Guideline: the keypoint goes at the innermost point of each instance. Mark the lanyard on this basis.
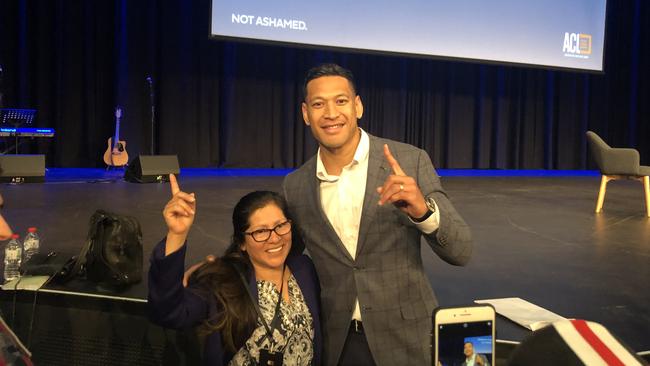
(276, 314)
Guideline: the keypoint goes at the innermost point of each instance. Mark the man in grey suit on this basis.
(472, 358)
(362, 205)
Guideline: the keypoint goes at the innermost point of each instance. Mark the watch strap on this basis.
(426, 216)
(431, 205)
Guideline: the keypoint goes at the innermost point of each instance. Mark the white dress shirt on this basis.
(342, 200)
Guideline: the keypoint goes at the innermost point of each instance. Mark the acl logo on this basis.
(577, 45)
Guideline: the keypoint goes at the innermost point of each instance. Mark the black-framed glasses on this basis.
(263, 235)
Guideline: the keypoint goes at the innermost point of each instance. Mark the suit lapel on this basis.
(314, 194)
(378, 171)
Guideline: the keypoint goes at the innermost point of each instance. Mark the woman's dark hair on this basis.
(236, 317)
(327, 70)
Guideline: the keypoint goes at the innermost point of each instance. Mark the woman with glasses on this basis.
(255, 305)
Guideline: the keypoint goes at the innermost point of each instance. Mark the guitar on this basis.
(116, 154)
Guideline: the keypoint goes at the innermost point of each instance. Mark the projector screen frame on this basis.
(374, 52)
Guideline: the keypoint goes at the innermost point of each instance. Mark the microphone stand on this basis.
(153, 112)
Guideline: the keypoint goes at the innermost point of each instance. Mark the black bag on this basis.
(113, 252)
(41, 264)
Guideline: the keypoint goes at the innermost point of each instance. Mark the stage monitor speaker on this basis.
(151, 168)
(22, 168)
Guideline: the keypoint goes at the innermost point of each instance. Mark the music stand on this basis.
(17, 117)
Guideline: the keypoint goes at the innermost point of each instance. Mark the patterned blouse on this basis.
(293, 336)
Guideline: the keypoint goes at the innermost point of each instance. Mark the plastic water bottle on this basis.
(31, 244)
(13, 258)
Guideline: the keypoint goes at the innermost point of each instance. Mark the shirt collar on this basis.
(360, 154)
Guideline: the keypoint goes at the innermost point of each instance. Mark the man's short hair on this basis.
(327, 70)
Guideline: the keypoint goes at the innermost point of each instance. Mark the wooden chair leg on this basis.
(646, 188)
(601, 194)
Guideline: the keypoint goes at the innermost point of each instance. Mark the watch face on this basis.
(431, 204)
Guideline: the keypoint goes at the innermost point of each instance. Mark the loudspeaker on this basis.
(22, 168)
(151, 168)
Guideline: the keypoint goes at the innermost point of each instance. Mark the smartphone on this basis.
(463, 333)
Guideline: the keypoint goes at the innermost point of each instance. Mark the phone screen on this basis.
(460, 341)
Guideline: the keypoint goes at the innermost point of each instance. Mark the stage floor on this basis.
(536, 235)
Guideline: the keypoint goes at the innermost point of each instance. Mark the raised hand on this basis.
(179, 215)
(479, 360)
(401, 190)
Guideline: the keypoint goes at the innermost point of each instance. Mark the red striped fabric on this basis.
(596, 343)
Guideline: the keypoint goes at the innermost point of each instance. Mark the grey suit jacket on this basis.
(394, 293)
(483, 358)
